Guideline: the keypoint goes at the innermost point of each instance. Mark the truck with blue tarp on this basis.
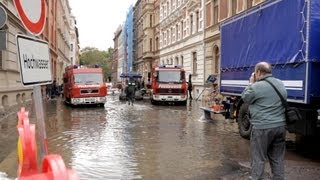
(285, 33)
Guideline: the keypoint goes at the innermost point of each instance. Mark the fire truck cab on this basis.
(84, 85)
(168, 84)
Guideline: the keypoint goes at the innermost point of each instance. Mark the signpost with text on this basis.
(34, 58)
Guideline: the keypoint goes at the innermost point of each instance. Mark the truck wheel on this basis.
(153, 102)
(244, 124)
(183, 103)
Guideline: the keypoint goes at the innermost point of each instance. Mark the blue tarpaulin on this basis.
(131, 75)
(285, 33)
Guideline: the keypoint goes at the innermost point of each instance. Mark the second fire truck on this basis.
(168, 85)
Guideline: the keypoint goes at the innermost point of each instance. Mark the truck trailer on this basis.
(285, 33)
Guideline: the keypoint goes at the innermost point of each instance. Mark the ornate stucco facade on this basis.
(146, 36)
(116, 67)
(12, 92)
(63, 38)
(181, 38)
(74, 42)
(215, 12)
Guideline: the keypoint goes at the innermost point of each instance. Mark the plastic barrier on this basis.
(53, 167)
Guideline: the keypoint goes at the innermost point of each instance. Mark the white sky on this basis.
(97, 20)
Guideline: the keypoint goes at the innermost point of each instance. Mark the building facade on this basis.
(181, 38)
(63, 39)
(74, 42)
(12, 92)
(116, 67)
(146, 36)
(215, 12)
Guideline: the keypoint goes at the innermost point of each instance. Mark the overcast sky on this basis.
(97, 20)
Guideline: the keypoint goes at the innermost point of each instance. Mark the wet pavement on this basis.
(119, 141)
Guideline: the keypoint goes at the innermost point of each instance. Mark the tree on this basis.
(93, 56)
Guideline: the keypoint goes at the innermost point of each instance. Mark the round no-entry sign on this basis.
(32, 14)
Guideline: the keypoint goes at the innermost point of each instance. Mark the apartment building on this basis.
(116, 67)
(63, 39)
(181, 38)
(74, 41)
(215, 12)
(146, 36)
(12, 93)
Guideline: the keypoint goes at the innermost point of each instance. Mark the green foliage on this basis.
(92, 56)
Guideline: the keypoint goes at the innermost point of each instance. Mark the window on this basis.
(216, 60)
(249, 4)
(71, 47)
(197, 21)
(191, 24)
(172, 35)
(150, 20)
(172, 5)
(181, 31)
(234, 7)
(150, 44)
(223, 9)
(194, 60)
(215, 11)
(177, 28)
(168, 8)
(208, 14)
(1, 59)
(177, 61)
(168, 37)
(157, 41)
(182, 60)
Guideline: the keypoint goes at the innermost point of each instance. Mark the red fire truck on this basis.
(168, 85)
(84, 85)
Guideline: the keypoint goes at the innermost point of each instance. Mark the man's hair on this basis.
(263, 67)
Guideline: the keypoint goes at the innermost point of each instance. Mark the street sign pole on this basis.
(40, 123)
(35, 68)
(34, 59)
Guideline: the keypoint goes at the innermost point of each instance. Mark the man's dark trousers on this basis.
(268, 144)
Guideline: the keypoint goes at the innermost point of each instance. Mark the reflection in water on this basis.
(95, 141)
(139, 142)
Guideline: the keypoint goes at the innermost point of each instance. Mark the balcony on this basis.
(148, 55)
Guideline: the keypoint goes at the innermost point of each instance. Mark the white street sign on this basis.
(34, 60)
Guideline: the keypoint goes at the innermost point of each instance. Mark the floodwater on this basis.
(143, 141)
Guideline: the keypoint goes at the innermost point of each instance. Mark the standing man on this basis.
(130, 92)
(190, 87)
(268, 120)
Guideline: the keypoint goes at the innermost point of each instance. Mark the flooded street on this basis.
(119, 141)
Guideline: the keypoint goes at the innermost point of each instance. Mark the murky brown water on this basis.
(141, 142)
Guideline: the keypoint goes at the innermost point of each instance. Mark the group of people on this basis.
(53, 90)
